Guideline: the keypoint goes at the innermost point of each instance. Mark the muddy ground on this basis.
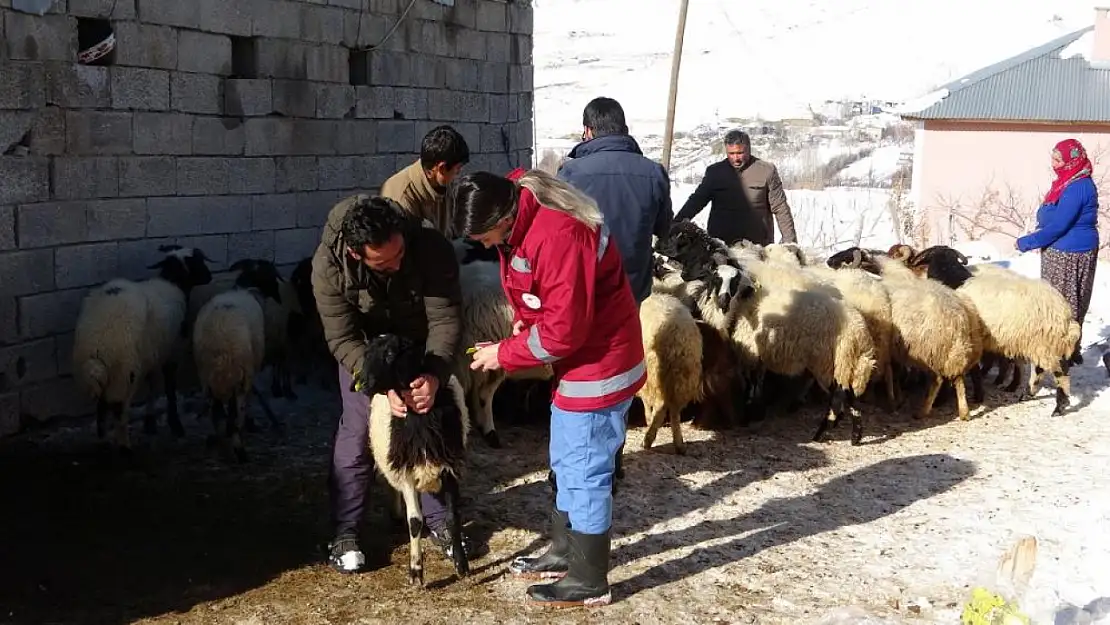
(751, 526)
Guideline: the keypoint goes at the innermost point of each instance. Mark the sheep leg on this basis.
(1004, 367)
(797, 402)
(961, 397)
(1018, 369)
(484, 395)
(930, 397)
(978, 393)
(655, 415)
(416, 529)
(169, 386)
(237, 410)
(120, 415)
(888, 381)
(857, 417)
(275, 380)
(264, 403)
(454, 522)
(1036, 377)
(676, 431)
(101, 417)
(150, 418)
(1063, 388)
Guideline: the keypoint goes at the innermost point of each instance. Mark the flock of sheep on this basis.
(719, 320)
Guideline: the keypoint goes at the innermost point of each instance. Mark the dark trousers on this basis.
(352, 465)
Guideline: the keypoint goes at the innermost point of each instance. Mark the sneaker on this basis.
(345, 556)
(439, 538)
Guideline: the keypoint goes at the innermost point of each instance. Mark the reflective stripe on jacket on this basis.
(567, 284)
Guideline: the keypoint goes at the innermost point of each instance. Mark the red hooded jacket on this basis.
(567, 284)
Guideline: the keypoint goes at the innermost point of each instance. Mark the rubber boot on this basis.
(553, 563)
(587, 582)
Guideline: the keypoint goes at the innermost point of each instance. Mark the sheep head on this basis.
(661, 266)
(728, 282)
(259, 274)
(788, 253)
(184, 267)
(392, 363)
(943, 264)
(901, 253)
(855, 258)
(693, 249)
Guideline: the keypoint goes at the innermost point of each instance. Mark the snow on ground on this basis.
(880, 165)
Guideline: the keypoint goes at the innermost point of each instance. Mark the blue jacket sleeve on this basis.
(1060, 221)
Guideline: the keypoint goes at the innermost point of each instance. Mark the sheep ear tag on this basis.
(531, 301)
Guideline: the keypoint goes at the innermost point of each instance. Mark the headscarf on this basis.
(1076, 165)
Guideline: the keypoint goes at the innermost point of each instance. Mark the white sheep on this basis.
(129, 332)
(418, 453)
(229, 348)
(673, 357)
(487, 316)
(1024, 319)
(934, 330)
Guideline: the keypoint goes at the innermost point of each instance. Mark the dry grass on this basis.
(756, 526)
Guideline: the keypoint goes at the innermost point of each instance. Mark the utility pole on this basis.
(676, 61)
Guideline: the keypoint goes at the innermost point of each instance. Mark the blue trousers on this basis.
(583, 450)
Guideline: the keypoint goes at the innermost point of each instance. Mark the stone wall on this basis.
(229, 125)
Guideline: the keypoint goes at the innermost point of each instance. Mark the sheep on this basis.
(861, 291)
(673, 357)
(933, 329)
(486, 316)
(229, 347)
(128, 332)
(791, 332)
(785, 330)
(417, 453)
(1023, 319)
(721, 381)
(308, 351)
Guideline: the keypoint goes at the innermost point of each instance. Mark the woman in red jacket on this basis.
(574, 311)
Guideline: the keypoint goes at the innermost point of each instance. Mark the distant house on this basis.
(982, 145)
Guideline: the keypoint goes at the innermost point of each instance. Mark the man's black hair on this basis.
(372, 221)
(738, 137)
(604, 116)
(443, 144)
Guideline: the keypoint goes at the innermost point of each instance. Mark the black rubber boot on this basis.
(587, 582)
(553, 563)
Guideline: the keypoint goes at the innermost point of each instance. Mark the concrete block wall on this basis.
(229, 125)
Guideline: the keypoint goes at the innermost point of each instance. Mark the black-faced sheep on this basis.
(673, 357)
(420, 452)
(229, 347)
(934, 329)
(1023, 319)
(129, 332)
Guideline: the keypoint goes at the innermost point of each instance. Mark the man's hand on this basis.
(485, 359)
(397, 405)
(423, 393)
(518, 327)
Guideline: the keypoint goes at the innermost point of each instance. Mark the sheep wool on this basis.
(673, 357)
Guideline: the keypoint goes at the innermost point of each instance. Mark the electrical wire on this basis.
(396, 25)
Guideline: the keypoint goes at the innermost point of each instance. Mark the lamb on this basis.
(1023, 319)
(229, 346)
(933, 329)
(673, 356)
(487, 316)
(129, 332)
(418, 453)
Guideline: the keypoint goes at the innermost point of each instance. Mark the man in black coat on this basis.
(745, 192)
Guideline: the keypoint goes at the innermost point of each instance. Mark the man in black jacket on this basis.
(745, 192)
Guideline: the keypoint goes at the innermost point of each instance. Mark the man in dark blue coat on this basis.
(633, 191)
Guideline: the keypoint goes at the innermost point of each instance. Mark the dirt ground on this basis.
(751, 526)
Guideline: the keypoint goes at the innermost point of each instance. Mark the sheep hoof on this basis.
(492, 439)
(680, 449)
(1062, 402)
(416, 576)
